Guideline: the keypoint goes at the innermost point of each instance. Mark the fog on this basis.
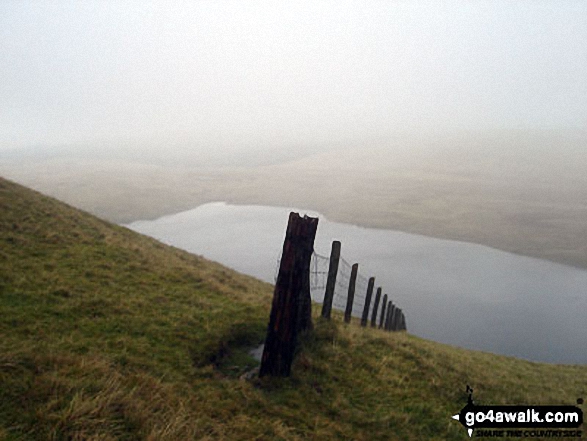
(458, 120)
(265, 79)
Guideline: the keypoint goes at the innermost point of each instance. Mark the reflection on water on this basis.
(452, 292)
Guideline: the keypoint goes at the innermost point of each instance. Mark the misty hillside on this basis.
(109, 335)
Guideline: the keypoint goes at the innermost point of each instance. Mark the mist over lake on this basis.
(452, 292)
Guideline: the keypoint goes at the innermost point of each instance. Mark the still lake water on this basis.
(452, 292)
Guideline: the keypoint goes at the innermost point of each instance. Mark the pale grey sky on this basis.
(222, 73)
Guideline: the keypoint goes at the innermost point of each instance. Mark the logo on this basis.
(559, 421)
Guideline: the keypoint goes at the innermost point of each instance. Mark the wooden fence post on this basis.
(386, 322)
(365, 316)
(351, 294)
(331, 282)
(383, 308)
(375, 308)
(392, 318)
(395, 319)
(291, 310)
(390, 312)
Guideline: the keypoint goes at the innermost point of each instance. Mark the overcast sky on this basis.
(230, 72)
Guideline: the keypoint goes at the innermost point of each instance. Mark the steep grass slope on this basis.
(108, 335)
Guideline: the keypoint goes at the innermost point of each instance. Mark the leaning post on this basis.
(383, 309)
(351, 294)
(365, 316)
(390, 310)
(291, 310)
(375, 308)
(395, 319)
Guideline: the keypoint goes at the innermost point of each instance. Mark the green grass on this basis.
(109, 335)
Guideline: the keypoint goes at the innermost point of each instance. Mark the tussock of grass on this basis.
(109, 335)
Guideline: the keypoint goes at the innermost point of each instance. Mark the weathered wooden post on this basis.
(365, 316)
(392, 321)
(331, 282)
(390, 312)
(375, 308)
(387, 315)
(291, 308)
(351, 294)
(383, 309)
(395, 318)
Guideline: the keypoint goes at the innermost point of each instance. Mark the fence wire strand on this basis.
(319, 265)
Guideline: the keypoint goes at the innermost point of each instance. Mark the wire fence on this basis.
(333, 281)
(319, 266)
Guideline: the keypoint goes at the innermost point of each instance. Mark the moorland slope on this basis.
(109, 335)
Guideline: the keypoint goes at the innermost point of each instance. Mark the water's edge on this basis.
(455, 292)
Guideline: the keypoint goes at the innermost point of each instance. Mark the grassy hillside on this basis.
(108, 335)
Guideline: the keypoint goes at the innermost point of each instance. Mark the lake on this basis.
(452, 292)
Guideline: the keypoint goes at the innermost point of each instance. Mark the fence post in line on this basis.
(388, 315)
(375, 308)
(404, 327)
(291, 309)
(365, 316)
(383, 309)
(351, 294)
(391, 312)
(395, 319)
(331, 282)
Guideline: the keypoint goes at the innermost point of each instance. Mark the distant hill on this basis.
(109, 335)
(518, 191)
